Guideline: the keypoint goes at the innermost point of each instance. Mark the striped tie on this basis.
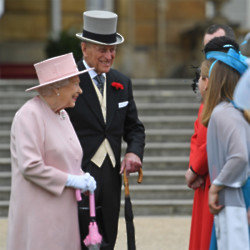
(100, 82)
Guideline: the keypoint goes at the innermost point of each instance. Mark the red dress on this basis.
(202, 219)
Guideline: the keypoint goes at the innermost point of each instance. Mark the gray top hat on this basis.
(99, 27)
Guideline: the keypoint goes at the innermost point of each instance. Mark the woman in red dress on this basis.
(197, 176)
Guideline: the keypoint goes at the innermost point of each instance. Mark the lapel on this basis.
(89, 94)
(112, 98)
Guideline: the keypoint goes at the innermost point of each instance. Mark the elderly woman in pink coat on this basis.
(46, 163)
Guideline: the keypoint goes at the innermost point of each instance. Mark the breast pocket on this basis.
(122, 110)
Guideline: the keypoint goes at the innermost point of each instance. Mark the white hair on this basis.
(49, 89)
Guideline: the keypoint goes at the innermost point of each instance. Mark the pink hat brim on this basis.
(60, 79)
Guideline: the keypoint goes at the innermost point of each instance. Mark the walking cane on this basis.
(129, 212)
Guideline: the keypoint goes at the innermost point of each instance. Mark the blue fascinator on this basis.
(232, 58)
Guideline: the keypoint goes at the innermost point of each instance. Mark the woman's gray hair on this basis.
(49, 89)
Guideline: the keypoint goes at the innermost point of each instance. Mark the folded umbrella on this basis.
(129, 212)
(78, 195)
(93, 239)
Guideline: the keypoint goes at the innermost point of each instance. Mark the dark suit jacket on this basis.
(88, 122)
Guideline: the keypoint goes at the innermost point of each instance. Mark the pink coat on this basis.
(43, 212)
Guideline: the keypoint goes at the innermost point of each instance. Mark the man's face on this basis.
(208, 37)
(101, 57)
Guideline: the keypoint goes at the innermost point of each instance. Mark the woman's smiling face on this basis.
(69, 93)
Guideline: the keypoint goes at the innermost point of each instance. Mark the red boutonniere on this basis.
(117, 85)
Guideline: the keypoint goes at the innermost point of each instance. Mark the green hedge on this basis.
(66, 43)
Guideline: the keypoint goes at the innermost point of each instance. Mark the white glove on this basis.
(84, 182)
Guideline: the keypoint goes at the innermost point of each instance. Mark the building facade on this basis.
(162, 37)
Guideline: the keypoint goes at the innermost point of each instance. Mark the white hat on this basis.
(99, 27)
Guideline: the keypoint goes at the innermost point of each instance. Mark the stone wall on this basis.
(30, 19)
(155, 46)
(152, 29)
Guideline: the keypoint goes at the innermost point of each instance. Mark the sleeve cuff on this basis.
(192, 170)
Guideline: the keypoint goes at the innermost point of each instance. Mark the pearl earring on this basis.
(57, 94)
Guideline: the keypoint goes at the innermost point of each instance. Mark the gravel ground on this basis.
(152, 233)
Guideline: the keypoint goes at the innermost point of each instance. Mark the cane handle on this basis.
(125, 178)
(140, 177)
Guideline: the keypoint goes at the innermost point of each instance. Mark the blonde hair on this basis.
(222, 82)
(246, 114)
(205, 66)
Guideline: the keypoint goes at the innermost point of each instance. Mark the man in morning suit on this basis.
(104, 114)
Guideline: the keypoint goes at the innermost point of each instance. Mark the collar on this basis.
(92, 73)
(234, 104)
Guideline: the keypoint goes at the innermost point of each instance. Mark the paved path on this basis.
(3, 232)
(152, 233)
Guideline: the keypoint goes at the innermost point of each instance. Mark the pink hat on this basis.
(56, 69)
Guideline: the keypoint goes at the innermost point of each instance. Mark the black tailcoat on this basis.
(89, 124)
(121, 122)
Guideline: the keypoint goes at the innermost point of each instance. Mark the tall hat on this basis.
(99, 27)
(56, 69)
